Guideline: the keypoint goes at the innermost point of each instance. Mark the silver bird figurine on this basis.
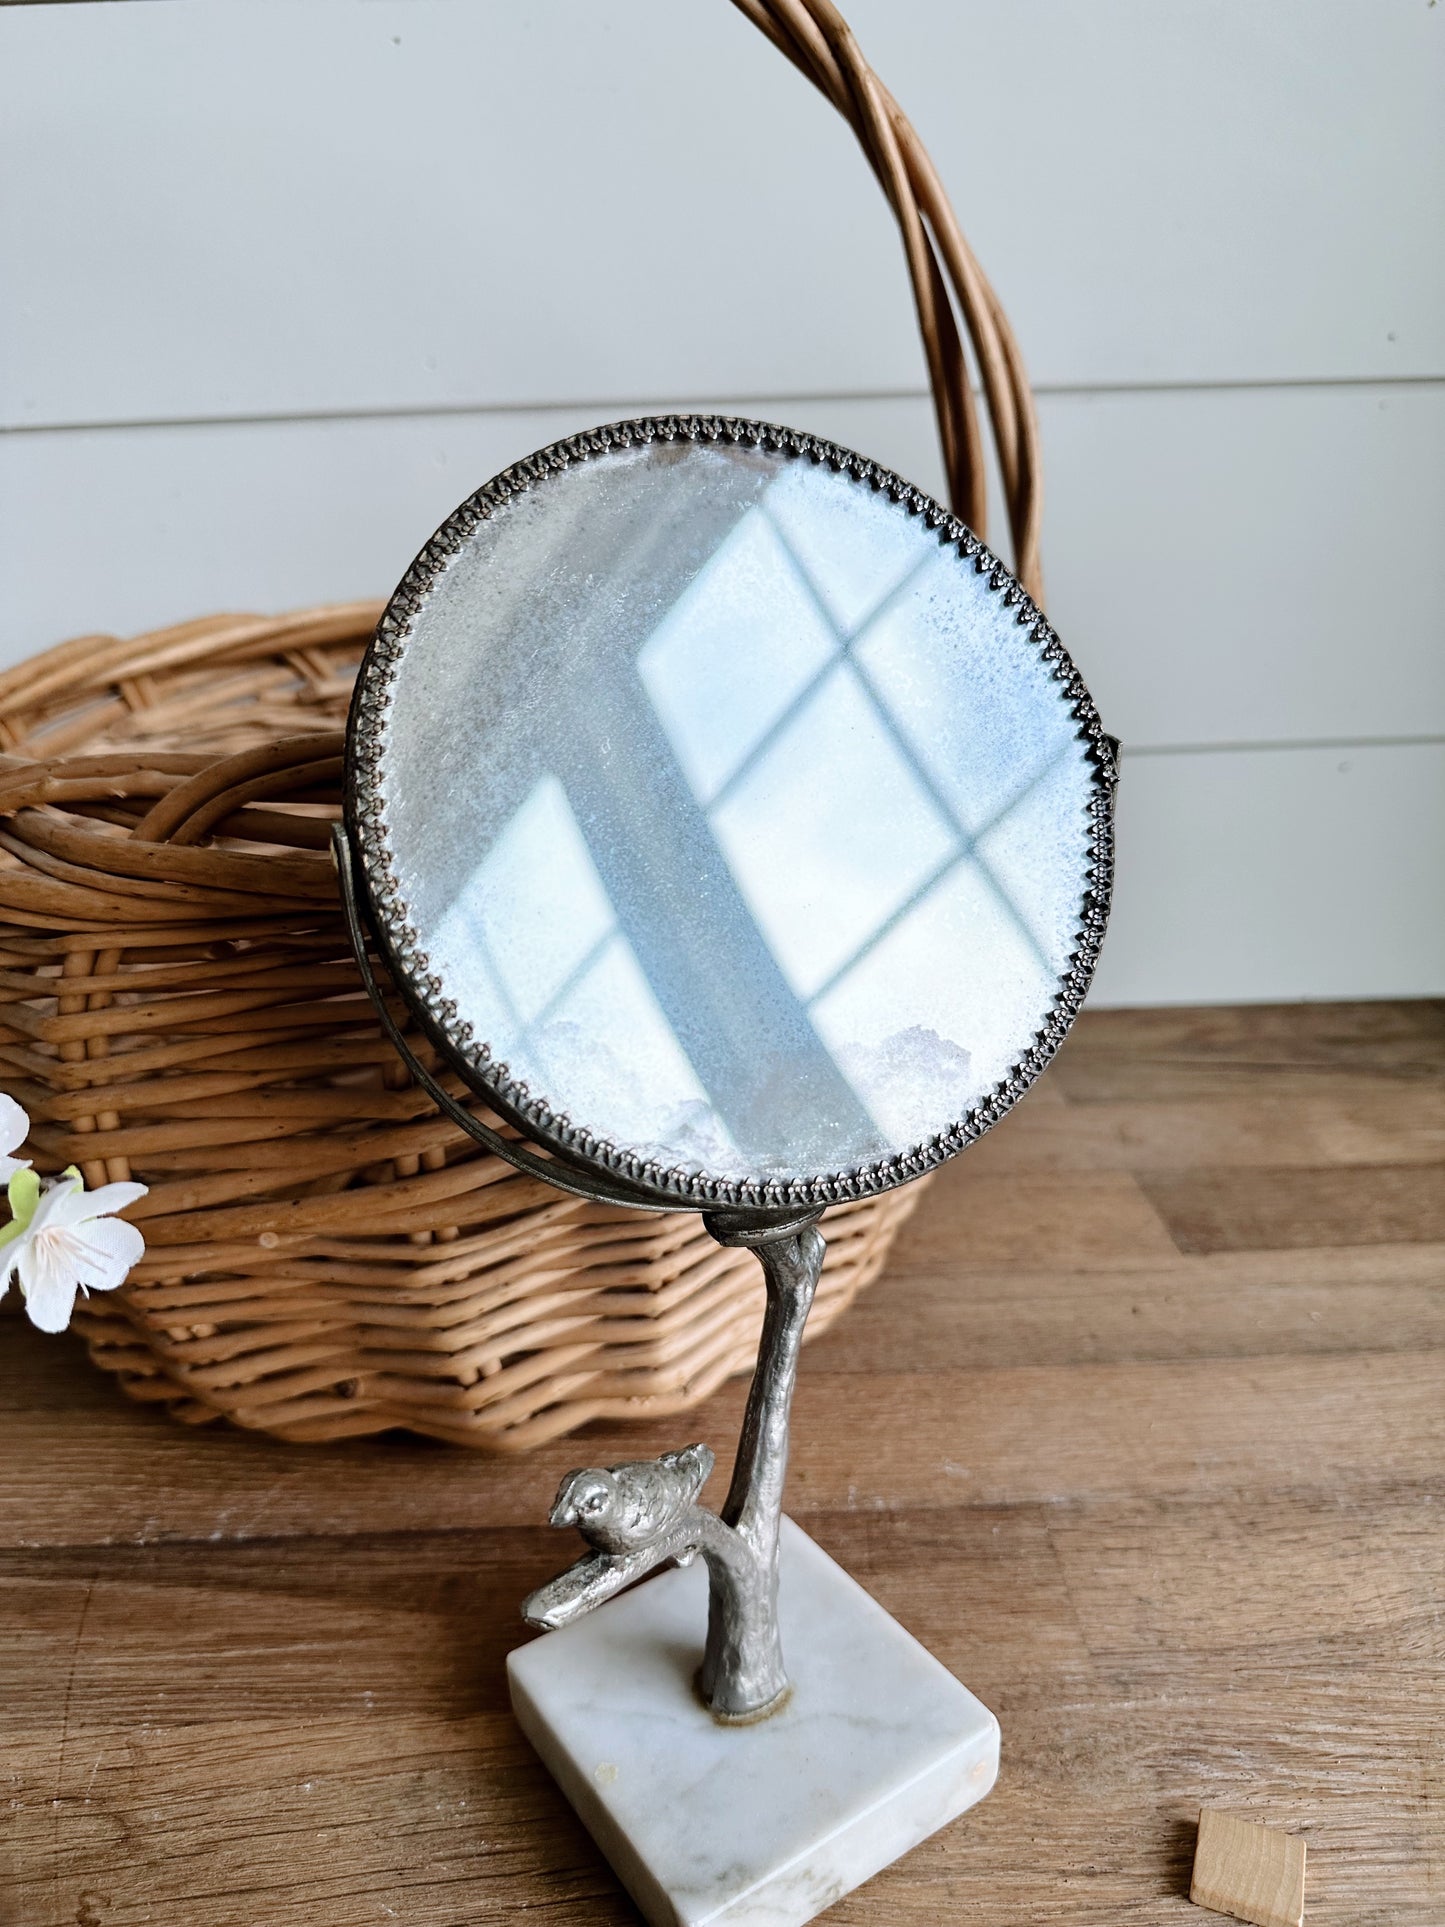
(621, 1508)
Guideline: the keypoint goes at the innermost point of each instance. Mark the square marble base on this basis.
(769, 1824)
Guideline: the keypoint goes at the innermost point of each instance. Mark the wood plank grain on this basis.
(389, 1725)
(1175, 1516)
(1370, 1124)
(1261, 1210)
(1023, 1435)
(1260, 1051)
(930, 1321)
(1079, 1220)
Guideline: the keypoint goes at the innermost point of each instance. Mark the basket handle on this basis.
(943, 270)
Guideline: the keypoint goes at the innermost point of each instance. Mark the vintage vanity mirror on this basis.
(734, 826)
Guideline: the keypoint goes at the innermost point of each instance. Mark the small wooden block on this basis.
(1256, 1873)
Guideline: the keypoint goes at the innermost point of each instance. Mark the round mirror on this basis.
(728, 815)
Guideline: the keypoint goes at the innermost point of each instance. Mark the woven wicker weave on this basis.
(325, 1254)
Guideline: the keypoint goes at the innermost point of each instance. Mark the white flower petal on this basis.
(77, 1204)
(14, 1127)
(56, 1205)
(49, 1293)
(101, 1253)
(10, 1256)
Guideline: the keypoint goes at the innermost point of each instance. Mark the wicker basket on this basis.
(326, 1255)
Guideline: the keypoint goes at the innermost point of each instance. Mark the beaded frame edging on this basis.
(423, 992)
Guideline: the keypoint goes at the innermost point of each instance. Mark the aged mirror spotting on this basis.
(734, 826)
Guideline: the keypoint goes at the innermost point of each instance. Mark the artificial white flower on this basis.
(64, 1240)
(14, 1129)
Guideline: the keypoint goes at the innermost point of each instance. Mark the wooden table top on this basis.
(1143, 1434)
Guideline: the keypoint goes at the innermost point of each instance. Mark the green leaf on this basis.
(24, 1194)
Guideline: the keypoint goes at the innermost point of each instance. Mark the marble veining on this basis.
(762, 1825)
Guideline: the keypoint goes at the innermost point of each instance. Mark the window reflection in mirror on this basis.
(741, 818)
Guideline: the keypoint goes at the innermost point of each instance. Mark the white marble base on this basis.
(769, 1824)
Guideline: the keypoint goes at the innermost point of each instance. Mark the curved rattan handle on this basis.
(942, 267)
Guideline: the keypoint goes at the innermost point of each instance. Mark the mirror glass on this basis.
(735, 811)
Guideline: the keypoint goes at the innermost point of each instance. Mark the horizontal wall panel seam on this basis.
(1252, 744)
(622, 406)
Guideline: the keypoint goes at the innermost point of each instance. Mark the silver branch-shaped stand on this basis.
(641, 1515)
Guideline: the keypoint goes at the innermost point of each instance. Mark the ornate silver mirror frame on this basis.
(636, 1517)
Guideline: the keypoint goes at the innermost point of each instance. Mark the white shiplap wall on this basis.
(281, 283)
